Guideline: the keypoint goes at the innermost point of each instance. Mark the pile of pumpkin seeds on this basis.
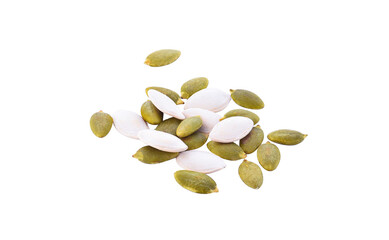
(185, 130)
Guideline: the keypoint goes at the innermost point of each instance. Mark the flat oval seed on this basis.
(162, 57)
(195, 140)
(286, 137)
(210, 99)
(152, 155)
(128, 123)
(251, 174)
(101, 124)
(247, 99)
(189, 126)
(170, 93)
(209, 118)
(165, 104)
(195, 181)
(252, 141)
(269, 156)
(162, 141)
(169, 125)
(231, 129)
(200, 161)
(229, 151)
(150, 113)
(192, 86)
(242, 113)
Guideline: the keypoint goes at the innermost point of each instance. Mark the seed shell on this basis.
(231, 129)
(200, 161)
(269, 156)
(162, 141)
(229, 151)
(128, 123)
(211, 99)
(209, 118)
(192, 86)
(195, 140)
(251, 174)
(101, 124)
(195, 181)
(150, 113)
(252, 141)
(170, 93)
(152, 155)
(247, 99)
(169, 125)
(165, 104)
(243, 113)
(286, 137)
(189, 126)
(162, 57)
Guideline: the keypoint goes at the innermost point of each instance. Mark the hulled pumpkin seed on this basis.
(192, 86)
(269, 156)
(251, 174)
(195, 181)
(195, 140)
(152, 155)
(243, 113)
(162, 57)
(246, 99)
(189, 126)
(150, 113)
(229, 151)
(170, 93)
(286, 137)
(101, 124)
(169, 125)
(252, 141)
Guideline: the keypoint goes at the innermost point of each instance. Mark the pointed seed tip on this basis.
(305, 135)
(216, 190)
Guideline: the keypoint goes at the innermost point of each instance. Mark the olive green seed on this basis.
(101, 124)
(251, 174)
(252, 141)
(195, 181)
(247, 99)
(195, 140)
(243, 113)
(152, 155)
(170, 93)
(169, 125)
(162, 57)
(269, 156)
(150, 113)
(192, 86)
(286, 137)
(189, 126)
(229, 151)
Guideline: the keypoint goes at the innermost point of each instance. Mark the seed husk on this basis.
(189, 126)
(195, 181)
(152, 155)
(211, 99)
(229, 151)
(162, 57)
(192, 86)
(101, 124)
(165, 104)
(243, 113)
(209, 118)
(169, 125)
(162, 141)
(268, 156)
(128, 123)
(286, 137)
(200, 161)
(251, 174)
(252, 141)
(247, 99)
(231, 129)
(170, 93)
(150, 113)
(195, 140)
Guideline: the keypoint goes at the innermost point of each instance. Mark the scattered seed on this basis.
(231, 129)
(192, 86)
(195, 181)
(150, 113)
(101, 124)
(128, 123)
(251, 174)
(252, 141)
(210, 99)
(162, 57)
(269, 156)
(229, 151)
(170, 93)
(152, 155)
(189, 126)
(247, 99)
(286, 137)
(243, 113)
(200, 161)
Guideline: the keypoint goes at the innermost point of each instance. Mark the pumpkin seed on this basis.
(189, 126)
(210, 99)
(229, 151)
(170, 93)
(286, 137)
(101, 124)
(243, 113)
(165, 104)
(209, 118)
(252, 141)
(152, 155)
(200, 161)
(247, 99)
(251, 174)
(231, 129)
(150, 113)
(169, 125)
(162, 57)
(195, 181)
(269, 156)
(128, 123)
(195, 140)
(162, 141)
(192, 86)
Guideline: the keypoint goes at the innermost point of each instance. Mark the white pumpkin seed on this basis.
(210, 99)
(200, 161)
(128, 123)
(231, 129)
(165, 104)
(209, 118)
(162, 141)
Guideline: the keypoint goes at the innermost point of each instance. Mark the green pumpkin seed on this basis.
(243, 113)
(162, 57)
(189, 126)
(169, 126)
(195, 181)
(195, 140)
(150, 113)
(251, 174)
(229, 151)
(246, 99)
(252, 141)
(152, 155)
(286, 137)
(192, 86)
(269, 156)
(170, 93)
(101, 124)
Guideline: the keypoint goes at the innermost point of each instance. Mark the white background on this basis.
(321, 67)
